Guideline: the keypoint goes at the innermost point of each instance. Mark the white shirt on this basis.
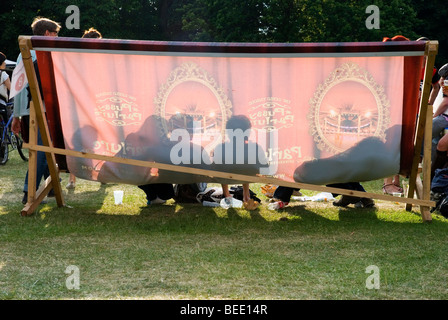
(3, 89)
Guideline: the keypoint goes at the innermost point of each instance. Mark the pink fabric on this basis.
(321, 106)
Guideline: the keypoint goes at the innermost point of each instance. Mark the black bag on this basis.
(442, 207)
(210, 195)
(186, 193)
(439, 183)
(237, 193)
(439, 191)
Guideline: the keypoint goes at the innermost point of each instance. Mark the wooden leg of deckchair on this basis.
(32, 165)
(425, 211)
(426, 214)
(30, 207)
(425, 186)
(32, 161)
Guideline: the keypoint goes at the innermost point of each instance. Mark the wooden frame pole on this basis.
(424, 129)
(32, 161)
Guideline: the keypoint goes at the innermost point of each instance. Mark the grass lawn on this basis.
(309, 250)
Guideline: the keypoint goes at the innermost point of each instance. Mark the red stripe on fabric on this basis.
(215, 47)
(411, 92)
(45, 65)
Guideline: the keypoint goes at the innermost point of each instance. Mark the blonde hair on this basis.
(92, 33)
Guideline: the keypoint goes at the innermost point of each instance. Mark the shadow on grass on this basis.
(99, 195)
(194, 218)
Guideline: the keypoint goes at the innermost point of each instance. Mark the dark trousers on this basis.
(356, 186)
(283, 193)
(42, 171)
(164, 191)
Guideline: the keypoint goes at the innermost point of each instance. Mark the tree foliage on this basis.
(233, 21)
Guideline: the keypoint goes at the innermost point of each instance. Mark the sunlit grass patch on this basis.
(308, 250)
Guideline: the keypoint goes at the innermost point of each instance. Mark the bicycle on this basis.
(9, 141)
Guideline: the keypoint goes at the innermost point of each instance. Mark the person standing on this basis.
(5, 83)
(5, 86)
(41, 27)
(440, 156)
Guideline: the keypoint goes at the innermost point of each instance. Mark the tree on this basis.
(233, 21)
(222, 20)
(125, 19)
(432, 21)
(16, 20)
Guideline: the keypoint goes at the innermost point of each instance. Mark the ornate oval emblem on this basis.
(348, 107)
(190, 93)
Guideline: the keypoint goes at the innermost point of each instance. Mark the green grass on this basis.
(185, 251)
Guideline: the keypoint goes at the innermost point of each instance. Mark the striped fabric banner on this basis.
(320, 112)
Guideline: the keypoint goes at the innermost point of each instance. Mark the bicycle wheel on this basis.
(3, 148)
(18, 143)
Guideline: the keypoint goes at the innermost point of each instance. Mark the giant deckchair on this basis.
(321, 100)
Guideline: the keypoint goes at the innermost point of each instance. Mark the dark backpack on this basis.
(439, 191)
(186, 193)
(439, 183)
(442, 207)
(237, 193)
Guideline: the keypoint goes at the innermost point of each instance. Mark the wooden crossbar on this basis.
(231, 176)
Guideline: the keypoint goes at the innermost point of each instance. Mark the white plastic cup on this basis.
(118, 196)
